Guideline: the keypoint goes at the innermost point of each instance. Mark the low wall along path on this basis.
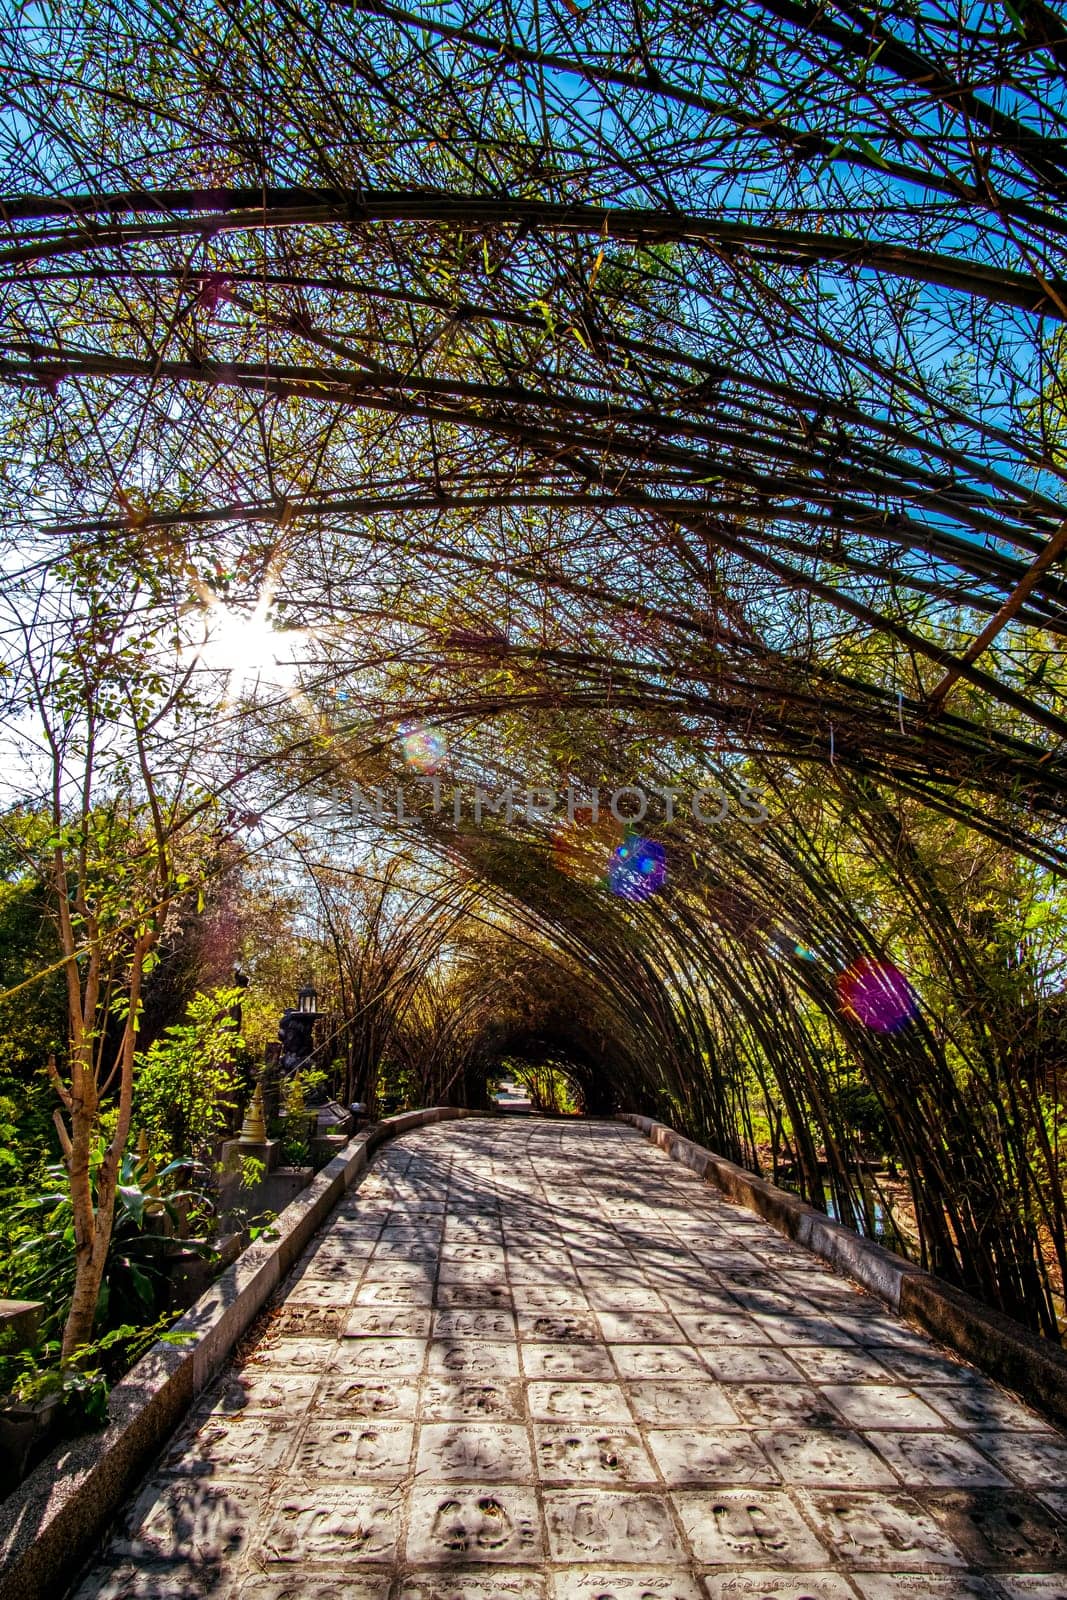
(542, 1361)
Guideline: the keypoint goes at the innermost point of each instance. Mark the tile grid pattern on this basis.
(540, 1361)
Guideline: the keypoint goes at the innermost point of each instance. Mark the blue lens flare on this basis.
(638, 869)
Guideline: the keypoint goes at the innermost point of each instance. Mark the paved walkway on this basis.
(539, 1361)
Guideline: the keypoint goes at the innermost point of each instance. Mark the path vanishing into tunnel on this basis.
(538, 1361)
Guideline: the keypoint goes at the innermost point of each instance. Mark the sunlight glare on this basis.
(249, 647)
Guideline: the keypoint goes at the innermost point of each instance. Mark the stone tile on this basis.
(343, 1242)
(387, 1322)
(567, 1361)
(389, 1271)
(1002, 1528)
(374, 1358)
(392, 1293)
(185, 1519)
(358, 1451)
(770, 1305)
(657, 1361)
(748, 1527)
(245, 1445)
(483, 1252)
(840, 1364)
(257, 1389)
(597, 1403)
(481, 1295)
(605, 1525)
(721, 1327)
(937, 1460)
(452, 1399)
(324, 1269)
(471, 1273)
(344, 1396)
(751, 1363)
(606, 1294)
(629, 1583)
(289, 1357)
(329, 1524)
(374, 1585)
(817, 1458)
(474, 1322)
(1056, 1500)
(881, 1405)
(466, 1523)
(1035, 1586)
(639, 1327)
(1036, 1460)
(980, 1406)
(777, 1586)
(804, 1328)
(475, 1357)
(928, 1365)
(878, 1328)
(548, 1297)
(717, 1456)
(603, 1255)
(671, 1404)
(592, 1455)
(333, 1293)
(539, 1269)
(787, 1405)
(923, 1586)
(892, 1531)
(298, 1321)
(472, 1583)
(558, 1327)
(491, 1452)
(404, 1251)
(178, 1582)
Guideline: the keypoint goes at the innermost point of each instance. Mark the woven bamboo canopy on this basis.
(663, 386)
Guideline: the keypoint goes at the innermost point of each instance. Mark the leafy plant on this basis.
(185, 1088)
(81, 1385)
(253, 1171)
(38, 1229)
(297, 1120)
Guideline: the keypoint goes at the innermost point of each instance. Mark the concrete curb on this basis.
(1032, 1367)
(49, 1521)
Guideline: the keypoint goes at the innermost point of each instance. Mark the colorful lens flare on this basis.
(877, 994)
(638, 868)
(424, 749)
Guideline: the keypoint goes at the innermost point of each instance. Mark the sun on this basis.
(249, 646)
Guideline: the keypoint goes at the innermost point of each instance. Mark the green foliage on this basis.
(861, 1111)
(81, 1385)
(297, 1121)
(185, 1087)
(397, 1088)
(37, 1242)
(253, 1171)
(33, 1021)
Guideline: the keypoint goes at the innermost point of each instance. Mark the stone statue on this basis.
(295, 1031)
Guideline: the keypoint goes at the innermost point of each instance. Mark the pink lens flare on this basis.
(877, 994)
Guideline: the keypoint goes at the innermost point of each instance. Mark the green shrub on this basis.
(185, 1088)
(37, 1240)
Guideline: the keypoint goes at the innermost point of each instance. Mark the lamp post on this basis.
(308, 1000)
